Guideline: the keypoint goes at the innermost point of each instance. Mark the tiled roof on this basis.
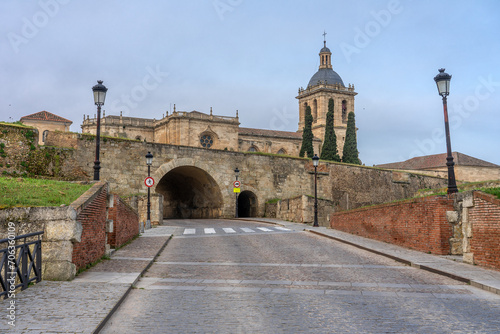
(46, 116)
(437, 160)
(270, 133)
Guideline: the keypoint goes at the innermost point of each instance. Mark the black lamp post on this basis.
(315, 160)
(99, 97)
(149, 162)
(236, 174)
(443, 84)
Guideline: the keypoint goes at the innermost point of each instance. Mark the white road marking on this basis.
(246, 229)
(210, 231)
(282, 228)
(265, 229)
(190, 231)
(228, 230)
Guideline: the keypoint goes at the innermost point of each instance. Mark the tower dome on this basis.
(325, 73)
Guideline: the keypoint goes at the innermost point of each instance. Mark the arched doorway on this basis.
(190, 192)
(247, 204)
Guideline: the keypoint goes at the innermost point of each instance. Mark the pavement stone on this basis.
(81, 305)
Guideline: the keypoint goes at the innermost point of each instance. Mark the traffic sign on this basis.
(236, 184)
(149, 182)
(236, 190)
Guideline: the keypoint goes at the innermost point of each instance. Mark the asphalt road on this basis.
(221, 276)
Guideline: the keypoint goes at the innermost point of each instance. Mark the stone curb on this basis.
(120, 301)
(462, 278)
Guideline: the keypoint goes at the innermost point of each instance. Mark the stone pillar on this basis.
(467, 203)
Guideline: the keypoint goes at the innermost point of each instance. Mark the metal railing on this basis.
(20, 264)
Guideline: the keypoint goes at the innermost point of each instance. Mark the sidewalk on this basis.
(482, 278)
(82, 305)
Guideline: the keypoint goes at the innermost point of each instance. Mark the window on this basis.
(253, 149)
(44, 135)
(282, 151)
(206, 141)
(344, 111)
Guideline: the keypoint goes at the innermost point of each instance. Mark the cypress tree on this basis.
(350, 153)
(329, 150)
(307, 135)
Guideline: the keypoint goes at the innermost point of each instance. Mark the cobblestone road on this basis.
(293, 282)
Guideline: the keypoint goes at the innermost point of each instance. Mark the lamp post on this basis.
(315, 160)
(443, 84)
(236, 174)
(99, 97)
(149, 162)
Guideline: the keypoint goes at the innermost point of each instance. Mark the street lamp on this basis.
(149, 162)
(236, 174)
(315, 160)
(443, 85)
(99, 97)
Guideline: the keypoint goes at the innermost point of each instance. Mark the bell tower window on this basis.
(344, 111)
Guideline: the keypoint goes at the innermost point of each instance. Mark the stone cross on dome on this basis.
(324, 37)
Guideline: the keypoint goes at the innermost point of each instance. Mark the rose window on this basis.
(206, 141)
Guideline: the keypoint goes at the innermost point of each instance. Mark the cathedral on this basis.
(211, 131)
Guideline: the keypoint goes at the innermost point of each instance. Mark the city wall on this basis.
(267, 176)
(75, 235)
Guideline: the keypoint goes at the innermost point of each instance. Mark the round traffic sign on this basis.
(236, 184)
(149, 182)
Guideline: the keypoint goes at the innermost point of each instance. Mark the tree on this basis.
(307, 135)
(350, 153)
(329, 150)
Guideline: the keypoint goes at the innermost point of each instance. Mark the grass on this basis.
(492, 191)
(26, 192)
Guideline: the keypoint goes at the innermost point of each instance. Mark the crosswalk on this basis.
(232, 230)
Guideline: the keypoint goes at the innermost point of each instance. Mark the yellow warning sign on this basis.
(236, 190)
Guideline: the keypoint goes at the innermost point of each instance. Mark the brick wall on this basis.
(92, 216)
(418, 224)
(485, 220)
(125, 222)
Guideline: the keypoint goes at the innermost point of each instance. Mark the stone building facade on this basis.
(45, 121)
(467, 168)
(197, 129)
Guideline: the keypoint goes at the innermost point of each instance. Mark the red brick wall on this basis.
(485, 219)
(93, 219)
(418, 224)
(125, 223)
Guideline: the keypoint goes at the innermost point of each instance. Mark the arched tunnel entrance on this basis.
(190, 192)
(247, 204)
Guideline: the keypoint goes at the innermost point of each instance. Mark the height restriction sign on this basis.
(236, 184)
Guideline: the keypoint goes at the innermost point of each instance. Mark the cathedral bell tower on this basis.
(324, 85)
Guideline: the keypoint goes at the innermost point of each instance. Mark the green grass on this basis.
(492, 191)
(25, 192)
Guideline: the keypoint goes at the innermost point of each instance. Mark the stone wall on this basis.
(20, 155)
(123, 222)
(61, 230)
(300, 209)
(139, 204)
(419, 224)
(266, 176)
(75, 235)
(477, 221)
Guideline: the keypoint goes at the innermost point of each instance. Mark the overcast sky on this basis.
(252, 56)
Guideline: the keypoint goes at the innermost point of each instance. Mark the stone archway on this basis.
(247, 204)
(190, 192)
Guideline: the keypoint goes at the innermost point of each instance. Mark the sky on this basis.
(252, 56)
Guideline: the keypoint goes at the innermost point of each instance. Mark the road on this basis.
(222, 276)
